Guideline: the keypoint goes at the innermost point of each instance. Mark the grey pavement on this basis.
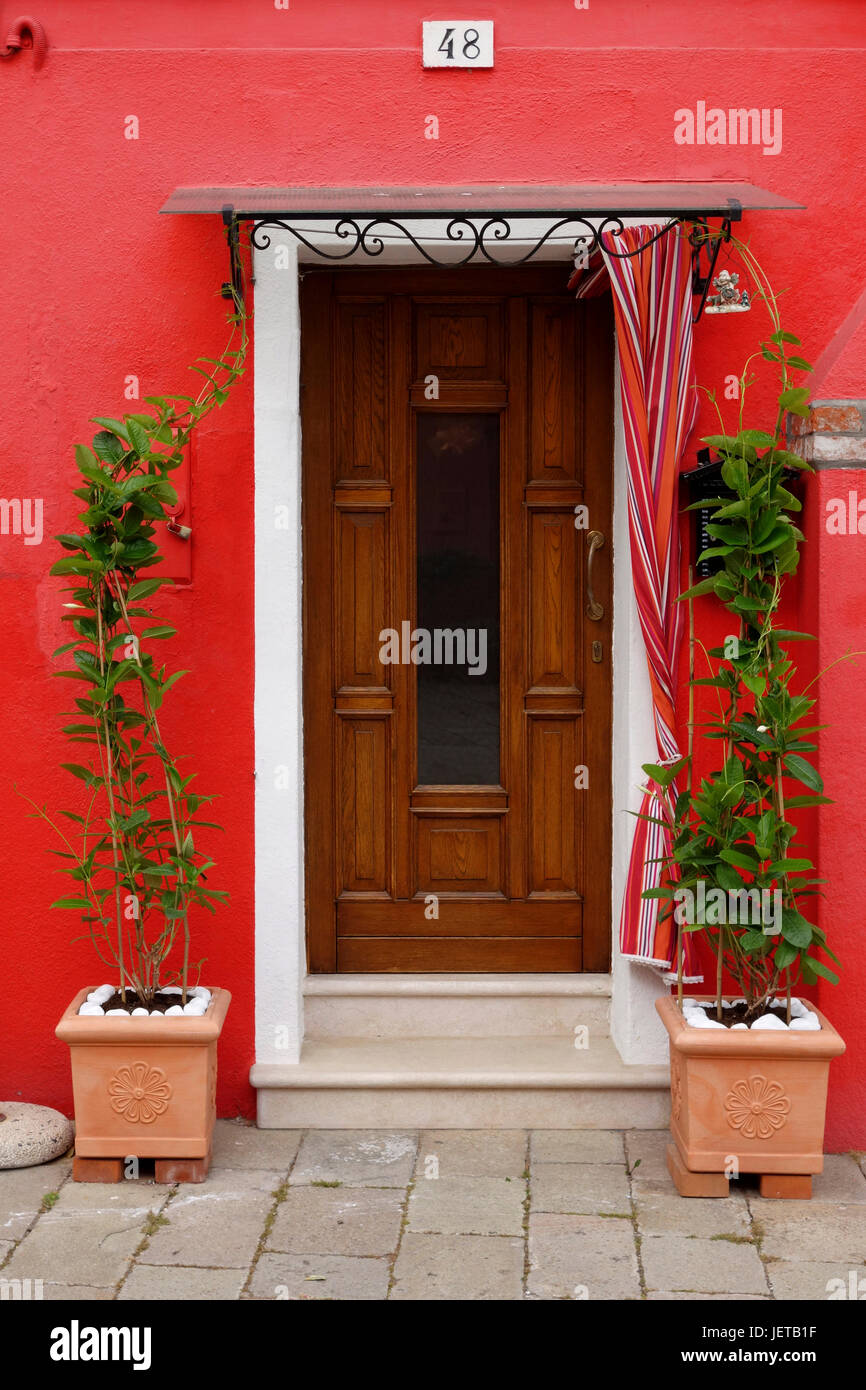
(430, 1215)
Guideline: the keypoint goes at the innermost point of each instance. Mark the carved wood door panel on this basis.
(457, 623)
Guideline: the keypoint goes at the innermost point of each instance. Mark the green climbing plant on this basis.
(131, 853)
(735, 872)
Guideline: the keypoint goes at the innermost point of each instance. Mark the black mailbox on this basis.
(706, 481)
(702, 482)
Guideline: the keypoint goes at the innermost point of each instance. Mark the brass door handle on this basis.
(594, 610)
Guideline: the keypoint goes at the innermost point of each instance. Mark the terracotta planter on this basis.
(143, 1087)
(748, 1102)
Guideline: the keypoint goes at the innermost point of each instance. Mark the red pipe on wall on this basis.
(26, 33)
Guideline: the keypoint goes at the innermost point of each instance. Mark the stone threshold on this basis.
(460, 1083)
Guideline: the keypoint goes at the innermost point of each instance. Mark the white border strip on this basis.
(280, 950)
(278, 704)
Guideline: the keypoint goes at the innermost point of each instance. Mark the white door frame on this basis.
(280, 952)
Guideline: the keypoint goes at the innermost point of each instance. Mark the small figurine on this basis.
(727, 299)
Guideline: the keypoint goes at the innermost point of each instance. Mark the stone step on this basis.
(456, 1006)
(460, 1083)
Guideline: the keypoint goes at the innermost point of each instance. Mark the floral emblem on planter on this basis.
(139, 1092)
(757, 1107)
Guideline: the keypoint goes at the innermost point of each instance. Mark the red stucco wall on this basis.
(97, 286)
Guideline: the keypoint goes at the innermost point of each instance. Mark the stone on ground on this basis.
(31, 1134)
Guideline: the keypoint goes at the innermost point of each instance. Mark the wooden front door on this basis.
(457, 677)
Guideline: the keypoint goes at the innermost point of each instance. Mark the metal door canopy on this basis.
(503, 224)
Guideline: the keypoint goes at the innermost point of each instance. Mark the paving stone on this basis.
(646, 1150)
(21, 1193)
(336, 1276)
(581, 1257)
(695, 1265)
(103, 1198)
(812, 1231)
(583, 1188)
(156, 1282)
(841, 1181)
(244, 1146)
(338, 1221)
(76, 1293)
(18, 1290)
(89, 1248)
(471, 1153)
(660, 1214)
(458, 1267)
(468, 1206)
(215, 1223)
(577, 1146)
(657, 1296)
(360, 1158)
(464, 1236)
(813, 1281)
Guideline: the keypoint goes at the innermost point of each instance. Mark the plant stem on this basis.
(169, 791)
(788, 996)
(109, 787)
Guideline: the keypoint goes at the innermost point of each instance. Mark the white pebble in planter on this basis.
(768, 1023)
(803, 1019)
(100, 995)
(798, 1009)
(197, 1005)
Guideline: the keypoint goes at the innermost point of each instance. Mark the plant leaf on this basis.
(804, 772)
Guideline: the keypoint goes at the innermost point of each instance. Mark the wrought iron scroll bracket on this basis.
(706, 245)
(476, 240)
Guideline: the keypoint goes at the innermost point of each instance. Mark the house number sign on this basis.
(457, 43)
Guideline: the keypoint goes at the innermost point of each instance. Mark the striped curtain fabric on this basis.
(652, 297)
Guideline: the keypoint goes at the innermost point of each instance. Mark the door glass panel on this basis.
(456, 643)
